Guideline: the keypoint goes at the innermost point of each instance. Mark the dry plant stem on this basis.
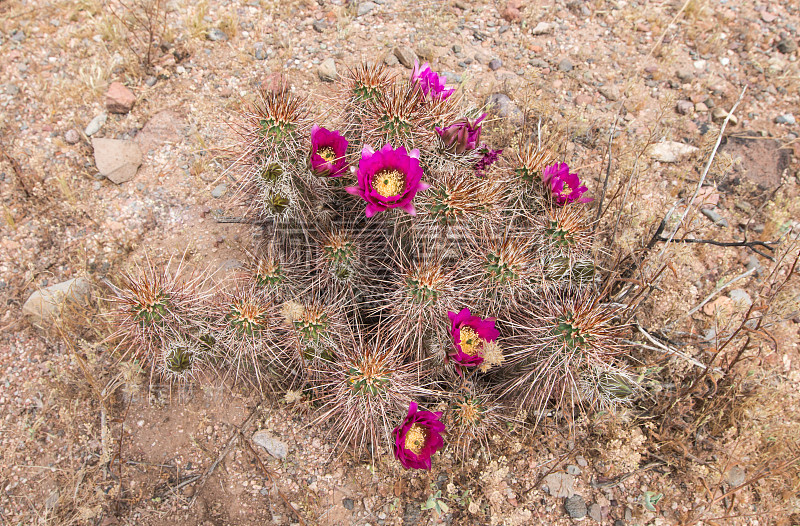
(268, 474)
(608, 168)
(712, 295)
(705, 171)
(674, 352)
(747, 244)
(17, 170)
(226, 449)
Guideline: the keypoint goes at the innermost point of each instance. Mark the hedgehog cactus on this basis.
(372, 311)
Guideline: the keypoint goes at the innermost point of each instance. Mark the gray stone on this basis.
(560, 485)
(575, 507)
(714, 216)
(215, 35)
(538, 63)
(150, 81)
(565, 65)
(274, 447)
(581, 460)
(684, 107)
(670, 151)
(18, 35)
(391, 60)
(787, 45)
(451, 77)
(348, 504)
(72, 136)
(260, 53)
(736, 476)
(482, 58)
(117, 159)
(405, 55)
(495, 64)
(501, 105)
(685, 75)
(219, 190)
(786, 118)
(327, 70)
(456, 48)
(573, 470)
(319, 26)
(596, 513)
(366, 7)
(740, 296)
(45, 304)
(12, 89)
(95, 124)
(542, 28)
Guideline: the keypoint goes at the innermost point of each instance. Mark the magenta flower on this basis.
(418, 438)
(489, 158)
(388, 178)
(565, 186)
(430, 83)
(469, 334)
(328, 149)
(462, 135)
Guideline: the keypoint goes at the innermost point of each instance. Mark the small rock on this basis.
(274, 447)
(72, 136)
(12, 89)
(424, 51)
(391, 60)
(565, 65)
(456, 49)
(45, 304)
(787, 45)
(319, 26)
(670, 151)
(768, 17)
(95, 124)
(215, 35)
(405, 55)
(786, 118)
(583, 99)
(117, 159)
(18, 35)
(573, 470)
(560, 485)
(685, 75)
(610, 92)
(701, 107)
(596, 513)
(699, 64)
(538, 63)
(581, 460)
(150, 81)
(452, 78)
(718, 115)
(327, 70)
(260, 53)
(119, 99)
(348, 503)
(366, 8)
(753, 263)
(714, 216)
(495, 64)
(542, 28)
(219, 191)
(482, 58)
(575, 507)
(684, 107)
(501, 105)
(511, 14)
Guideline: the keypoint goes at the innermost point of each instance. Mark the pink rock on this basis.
(119, 99)
(583, 99)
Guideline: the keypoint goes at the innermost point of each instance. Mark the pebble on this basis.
(150, 81)
(456, 48)
(18, 35)
(117, 159)
(714, 216)
(47, 303)
(701, 107)
(482, 58)
(573, 470)
(565, 65)
(327, 70)
(95, 124)
(670, 151)
(538, 63)
(219, 190)
(596, 513)
(684, 107)
(215, 34)
(366, 8)
(786, 118)
(405, 55)
(391, 60)
(736, 476)
(495, 64)
(581, 460)
(610, 92)
(575, 507)
(119, 99)
(452, 78)
(72, 136)
(787, 45)
(260, 53)
(348, 503)
(685, 75)
(719, 114)
(560, 485)
(740, 296)
(319, 26)
(12, 89)
(274, 447)
(541, 28)
(501, 105)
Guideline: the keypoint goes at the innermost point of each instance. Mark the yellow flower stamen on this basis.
(469, 341)
(327, 153)
(416, 437)
(389, 183)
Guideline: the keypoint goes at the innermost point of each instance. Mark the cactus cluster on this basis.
(402, 264)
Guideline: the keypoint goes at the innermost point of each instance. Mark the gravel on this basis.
(216, 35)
(95, 124)
(575, 507)
(565, 65)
